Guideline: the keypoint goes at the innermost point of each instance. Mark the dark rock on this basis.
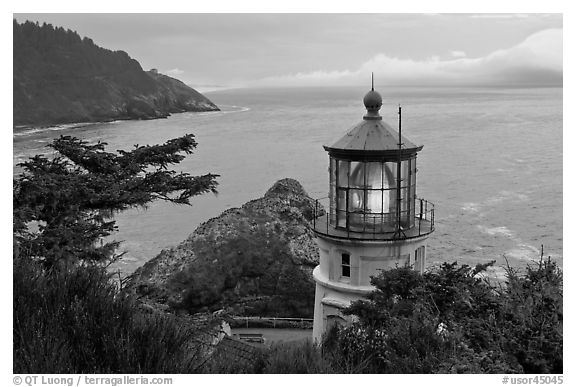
(256, 260)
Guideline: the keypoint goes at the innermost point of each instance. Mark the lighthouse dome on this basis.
(373, 101)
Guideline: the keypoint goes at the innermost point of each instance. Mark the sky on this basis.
(276, 50)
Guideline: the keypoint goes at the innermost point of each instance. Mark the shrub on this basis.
(302, 357)
(452, 320)
(76, 321)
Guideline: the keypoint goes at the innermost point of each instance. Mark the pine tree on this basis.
(64, 206)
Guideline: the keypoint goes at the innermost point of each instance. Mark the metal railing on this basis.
(273, 320)
(378, 228)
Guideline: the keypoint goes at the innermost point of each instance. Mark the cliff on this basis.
(256, 260)
(61, 78)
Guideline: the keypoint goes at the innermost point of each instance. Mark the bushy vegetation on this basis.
(76, 321)
(69, 317)
(260, 281)
(449, 320)
(296, 358)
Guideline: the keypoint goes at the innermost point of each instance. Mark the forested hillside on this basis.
(60, 77)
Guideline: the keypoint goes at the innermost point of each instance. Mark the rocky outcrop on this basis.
(256, 260)
(61, 78)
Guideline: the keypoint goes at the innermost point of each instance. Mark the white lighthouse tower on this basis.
(373, 219)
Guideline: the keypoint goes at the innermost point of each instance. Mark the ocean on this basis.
(491, 162)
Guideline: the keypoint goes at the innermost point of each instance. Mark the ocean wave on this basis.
(238, 109)
(471, 207)
(28, 132)
(502, 196)
(33, 130)
(506, 195)
(523, 252)
(501, 230)
(19, 157)
(235, 109)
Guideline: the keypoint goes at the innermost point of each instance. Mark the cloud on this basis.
(175, 72)
(458, 54)
(499, 16)
(536, 61)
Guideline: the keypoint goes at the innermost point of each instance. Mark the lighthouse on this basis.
(372, 219)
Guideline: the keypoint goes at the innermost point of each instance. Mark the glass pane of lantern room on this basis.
(374, 202)
(343, 171)
(356, 200)
(407, 209)
(332, 193)
(341, 208)
(375, 223)
(404, 203)
(357, 174)
(341, 216)
(389, 193)
(413, 198)
(389, 180)
(333, 202)
(405, 173)
(374, 175)
(341, 199)
(332, 171)
(389, 200)
(413, 172)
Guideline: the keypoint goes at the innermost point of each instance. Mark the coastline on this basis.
(72, 125)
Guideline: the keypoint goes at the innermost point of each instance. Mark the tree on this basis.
(63, 206)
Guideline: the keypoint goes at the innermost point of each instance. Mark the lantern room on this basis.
(364, 192)
(373, 179)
